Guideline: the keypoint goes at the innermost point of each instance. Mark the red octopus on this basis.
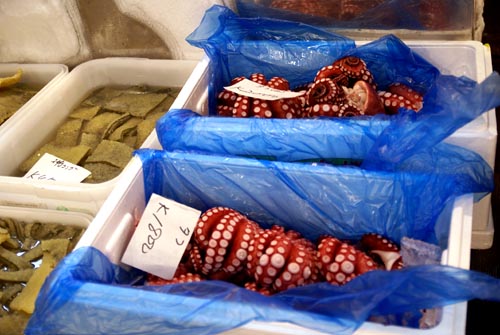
(279, 261)
(383, 249)
(399, 95)
(182, 275)
(226, 245)
(232, 104)
(340, 262)
(344, 88)
(348, 88)
(221, 242)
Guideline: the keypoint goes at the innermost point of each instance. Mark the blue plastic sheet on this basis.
(451, 103)
(87, 294)
(241, 46)
(238, 46)
(313, 139)
(318, 199)
(388, 14)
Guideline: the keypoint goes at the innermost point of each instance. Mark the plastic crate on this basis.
(40, 75)
(114, 224)
(32, 128)
(459, 58)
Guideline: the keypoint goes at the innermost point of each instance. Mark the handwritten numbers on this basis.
(50, 167)
(255, 90)
(161, 237)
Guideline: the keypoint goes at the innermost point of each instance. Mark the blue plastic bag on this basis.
(450, 103)
(388, 14)
(87, 294)
(320, 198)
(238, 46)
(241, 46)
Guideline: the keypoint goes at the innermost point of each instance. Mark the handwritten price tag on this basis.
(50, 167)
(254, 90)
(161, 237)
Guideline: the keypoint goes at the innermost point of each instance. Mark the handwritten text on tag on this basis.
(161, 237)
(50, 167)
(254, 90)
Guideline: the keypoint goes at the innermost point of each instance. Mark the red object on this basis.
(227, 245)
(231, 104)
(340, 262)
(384, 249)
(401, 96)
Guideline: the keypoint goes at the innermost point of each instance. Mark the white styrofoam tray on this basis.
(32, 128)
(45, 75)
(459, 58)
(115, 222)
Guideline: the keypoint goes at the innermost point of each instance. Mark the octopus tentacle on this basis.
(325, 90)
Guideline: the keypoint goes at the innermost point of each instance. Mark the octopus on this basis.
(227, 245)
(399, 95)
(383, 249)
(345, 88)
(232, 104)
(340, 262)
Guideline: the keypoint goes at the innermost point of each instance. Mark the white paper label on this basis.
(161, 237)
(255, 90)
(50, 167)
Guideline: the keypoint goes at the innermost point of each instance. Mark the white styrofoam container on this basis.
(479, 135)
(44, 75)
(32, 128)
(483, 228)
(459, 58)
(115, 222)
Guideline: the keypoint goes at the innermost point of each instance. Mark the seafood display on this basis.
(344, 88)
(101, 133)
(14, 94)
(227, 245)
(28, 253)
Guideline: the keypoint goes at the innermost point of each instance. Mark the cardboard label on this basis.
(161, 237)
(254, 90)
(50, 167)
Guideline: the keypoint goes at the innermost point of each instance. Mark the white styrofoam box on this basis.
(459, 58)
(480, 135)
(483, 228)
(37, 124)
(115, 222)
(43, 75)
